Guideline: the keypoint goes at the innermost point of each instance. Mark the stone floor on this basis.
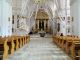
(39, 48)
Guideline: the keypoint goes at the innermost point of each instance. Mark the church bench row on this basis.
(70, 44)
(10, 44)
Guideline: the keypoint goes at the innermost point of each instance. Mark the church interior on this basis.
(39, 30)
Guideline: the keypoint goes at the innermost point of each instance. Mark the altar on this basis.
(42, 33)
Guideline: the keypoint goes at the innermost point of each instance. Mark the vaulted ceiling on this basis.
(28, 7)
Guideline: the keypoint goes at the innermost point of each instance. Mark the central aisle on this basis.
(40, 48)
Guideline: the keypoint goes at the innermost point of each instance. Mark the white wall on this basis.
(6, 13)
(75, 13)
(0, 15)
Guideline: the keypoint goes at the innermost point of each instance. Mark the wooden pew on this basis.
(18, 38)
(79, 54)
(60, 40)
(75, 49)
(25, 40)
(71, 45)
(17, 42)
(69, 42)
(56, 39)
(63, 43)
(22, 38)
(20, 41)
(28, 38)
(3, 48)
(11, 43)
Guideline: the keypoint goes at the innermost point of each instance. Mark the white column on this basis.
(0, 15)
(44, 24)
(6, 18)
(38, 24)
(75, 13)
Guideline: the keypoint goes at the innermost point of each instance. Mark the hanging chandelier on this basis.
(39, 1)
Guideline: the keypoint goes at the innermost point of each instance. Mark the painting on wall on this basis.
(58, 27)
(12, 30)
(17, 23)
(12, 19)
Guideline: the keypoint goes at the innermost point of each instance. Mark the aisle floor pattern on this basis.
(39, 48)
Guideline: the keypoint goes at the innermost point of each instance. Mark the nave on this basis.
(61, 18)
(40, 48)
